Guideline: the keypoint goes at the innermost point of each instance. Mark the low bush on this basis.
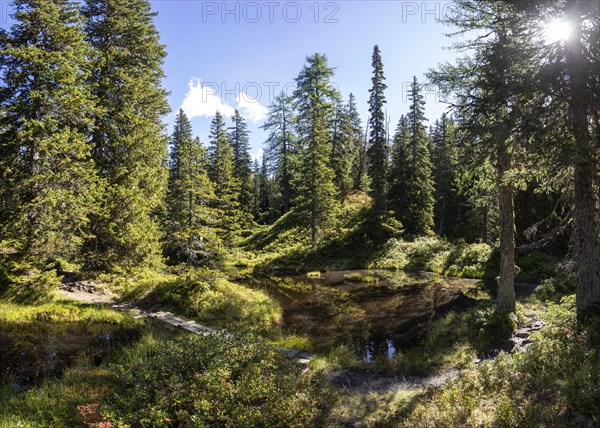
(212, 381)
(560, 284)
(26, 281)
(555, 383)
(436, 255)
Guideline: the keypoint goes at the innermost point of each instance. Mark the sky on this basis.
(240, 54)
(227, 55)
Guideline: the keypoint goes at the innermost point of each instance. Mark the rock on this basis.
(522, 334)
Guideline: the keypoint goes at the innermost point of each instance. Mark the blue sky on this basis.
(218, 49)
(238, 54)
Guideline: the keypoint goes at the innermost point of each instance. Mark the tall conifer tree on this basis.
(397, 195)
(281, 146)
(378, 151)
(190, 198)
(222, 174)
(46, 177)
(417, 216)
(129, 144)
(242, 167)
(444, 155)
(315, 100)
(344, 150)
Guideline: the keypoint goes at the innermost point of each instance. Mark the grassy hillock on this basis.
(207, 297)
(349, 243)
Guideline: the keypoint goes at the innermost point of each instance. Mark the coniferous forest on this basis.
(434, 272)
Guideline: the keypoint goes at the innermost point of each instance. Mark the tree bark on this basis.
(586, 228)
(506, 282)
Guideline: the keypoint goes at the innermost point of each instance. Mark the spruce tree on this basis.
(359, 169)
(46, 177)
(397, 194)
(378, 151)
(129, 145)
(256, 169)
(444, 155)
(281, 151)
(242, 167)
(264, 193)
(315, 98)
(190, 199)
(222, 173)
(417, 215)
(344, 150)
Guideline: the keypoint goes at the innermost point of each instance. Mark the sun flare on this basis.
(557, 30)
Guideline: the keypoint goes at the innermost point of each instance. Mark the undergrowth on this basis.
(555, 383)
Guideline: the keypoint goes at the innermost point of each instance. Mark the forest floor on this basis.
(350, 380)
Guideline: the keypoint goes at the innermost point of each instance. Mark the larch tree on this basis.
(189, 226)
(129, 143)
(488, 106)
(315, 99)
(563, 78)
(281, 150)
(47, 180)
(378, 151)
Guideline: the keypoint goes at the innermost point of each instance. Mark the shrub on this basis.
(555, 383)
(212, 380)
(557, 286)
(26, 281)
(436, 255)
(469, 260)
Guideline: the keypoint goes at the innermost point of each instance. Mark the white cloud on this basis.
(250, 108)
(258, 155)
(202, 101)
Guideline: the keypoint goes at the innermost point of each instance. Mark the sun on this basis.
(556, 31)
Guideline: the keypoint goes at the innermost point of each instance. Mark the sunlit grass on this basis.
(207, 297)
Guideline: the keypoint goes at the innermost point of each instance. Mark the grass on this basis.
(55, 386)
(265, 386)
(350, 243)
(207, 297)
(373, 408)
(360, 278)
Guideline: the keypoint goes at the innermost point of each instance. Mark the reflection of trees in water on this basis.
(379, 345)
(373, 319)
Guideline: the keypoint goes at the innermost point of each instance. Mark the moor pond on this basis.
(374, 312)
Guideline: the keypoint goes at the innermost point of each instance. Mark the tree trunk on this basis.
(442, 215)
(506, 282)
(586, 229)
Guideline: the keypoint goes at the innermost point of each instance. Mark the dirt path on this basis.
(86, 292)
(352, 380)
(360, 381)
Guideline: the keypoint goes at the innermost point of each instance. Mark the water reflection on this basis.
(374, 312)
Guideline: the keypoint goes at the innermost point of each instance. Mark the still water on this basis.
(374, 312)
